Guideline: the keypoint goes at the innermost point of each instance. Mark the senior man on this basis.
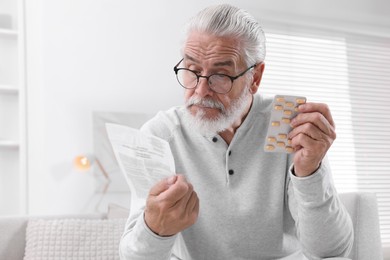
(231, 199)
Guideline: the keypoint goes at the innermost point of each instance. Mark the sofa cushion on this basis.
(73, 238)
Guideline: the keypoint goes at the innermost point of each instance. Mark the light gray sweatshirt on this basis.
(251, 204)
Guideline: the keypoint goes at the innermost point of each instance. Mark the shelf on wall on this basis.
(9, 144)
(6, 89)
(8, 32)
(13, 109)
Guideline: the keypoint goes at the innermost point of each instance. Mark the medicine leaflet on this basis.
(143, 159)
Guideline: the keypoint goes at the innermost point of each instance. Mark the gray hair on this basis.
(229, 21)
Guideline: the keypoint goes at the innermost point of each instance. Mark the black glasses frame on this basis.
(232, 78)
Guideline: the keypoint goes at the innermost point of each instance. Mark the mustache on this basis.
(205, 102)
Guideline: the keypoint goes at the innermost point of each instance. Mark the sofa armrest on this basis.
(12, 237)
(363, 209)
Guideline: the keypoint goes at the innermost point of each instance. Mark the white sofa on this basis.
(361, 206)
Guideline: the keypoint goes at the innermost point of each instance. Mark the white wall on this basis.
(104, 55)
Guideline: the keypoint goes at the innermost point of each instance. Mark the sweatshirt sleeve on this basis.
(324, 227)
(140, 243)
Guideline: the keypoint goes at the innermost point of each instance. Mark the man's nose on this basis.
(203, 88)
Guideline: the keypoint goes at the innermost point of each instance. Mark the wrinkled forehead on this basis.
(205, 48)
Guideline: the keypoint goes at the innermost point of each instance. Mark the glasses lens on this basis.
(186, 78)
(220, 83)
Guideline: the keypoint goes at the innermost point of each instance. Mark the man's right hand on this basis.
(172, 206)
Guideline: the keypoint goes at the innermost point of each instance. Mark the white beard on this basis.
(226, 118)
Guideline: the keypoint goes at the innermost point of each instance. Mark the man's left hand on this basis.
(312, 135)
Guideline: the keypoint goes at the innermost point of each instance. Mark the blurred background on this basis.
(68, 66)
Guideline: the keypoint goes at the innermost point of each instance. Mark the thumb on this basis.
(162, 185)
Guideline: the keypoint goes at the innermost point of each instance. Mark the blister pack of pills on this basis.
(284, 109)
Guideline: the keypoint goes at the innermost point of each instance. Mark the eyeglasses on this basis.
(219, 83)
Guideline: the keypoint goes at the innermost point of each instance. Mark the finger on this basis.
(302, 141)
(308, 129)
(196, 208)
(192, 208)
(191, 204)
(317, 107)
(312, 146)
(184, 200)
(316, 119)
(177, 191)
(162, 185)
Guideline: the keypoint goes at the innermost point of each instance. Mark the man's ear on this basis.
(257, 75)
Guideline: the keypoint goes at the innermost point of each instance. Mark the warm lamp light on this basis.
(85, 163)
(82, 163)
